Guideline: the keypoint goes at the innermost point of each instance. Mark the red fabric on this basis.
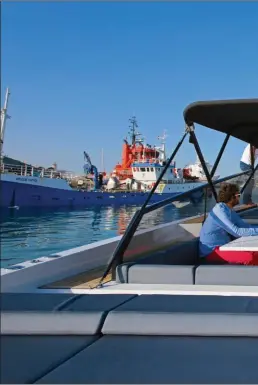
(234, 257)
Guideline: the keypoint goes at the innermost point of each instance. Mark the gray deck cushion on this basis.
(32, 301)
(84, 315)
(167, 274)
(227, 275)
(55, 323)
(186, 253)
(160, 257)
(98, 302)
(26, 358)
(161, 360)
(185, 315)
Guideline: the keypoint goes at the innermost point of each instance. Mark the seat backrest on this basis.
(56, 314)
(183, 254)
(184, 315)
(161, 274)
(227, 275)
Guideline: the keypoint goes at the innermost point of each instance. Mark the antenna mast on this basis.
(162, 139)
(133, 126)
(4, 116)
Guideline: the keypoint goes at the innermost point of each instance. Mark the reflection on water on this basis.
(35, 233)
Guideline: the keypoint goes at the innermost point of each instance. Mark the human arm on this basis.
(226, 219)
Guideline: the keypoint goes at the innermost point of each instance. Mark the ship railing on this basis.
(125, 172)
(178, 180)
(168, 181)
(150, 161)
(27, 170)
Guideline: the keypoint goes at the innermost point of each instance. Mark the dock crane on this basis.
(89, 168)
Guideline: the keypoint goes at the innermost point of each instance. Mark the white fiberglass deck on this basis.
(113, 287)
(242, 244)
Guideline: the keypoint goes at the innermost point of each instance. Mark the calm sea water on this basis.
(31, 234)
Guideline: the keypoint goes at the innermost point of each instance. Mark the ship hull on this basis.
(21, 195)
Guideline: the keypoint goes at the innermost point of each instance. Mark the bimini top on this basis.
(238, 118)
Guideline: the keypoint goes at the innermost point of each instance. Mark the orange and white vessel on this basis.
(142, 164)
(136, 151)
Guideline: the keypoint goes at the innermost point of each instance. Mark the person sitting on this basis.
(222, 226)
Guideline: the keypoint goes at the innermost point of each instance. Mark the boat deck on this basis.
(89, 279)
(114, 338)
(187, 313)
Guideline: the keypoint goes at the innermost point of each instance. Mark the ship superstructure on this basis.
(195, 171)
(135, 151)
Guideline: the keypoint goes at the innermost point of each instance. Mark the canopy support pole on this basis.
(118, 255)
(250, 177)
(221, 152)
(214, 169)
(195, 142)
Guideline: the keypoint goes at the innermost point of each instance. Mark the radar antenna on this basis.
(132, 132)
(162, 139)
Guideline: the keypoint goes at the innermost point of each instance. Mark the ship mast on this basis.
(162, 139)
(4, 116)
(133, 133)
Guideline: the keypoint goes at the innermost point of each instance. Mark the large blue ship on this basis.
(23, 185)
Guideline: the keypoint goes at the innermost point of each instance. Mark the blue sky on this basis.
(79, 71)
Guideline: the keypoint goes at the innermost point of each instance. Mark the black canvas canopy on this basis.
(238, 118)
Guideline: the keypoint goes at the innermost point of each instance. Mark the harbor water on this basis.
(30, 234)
